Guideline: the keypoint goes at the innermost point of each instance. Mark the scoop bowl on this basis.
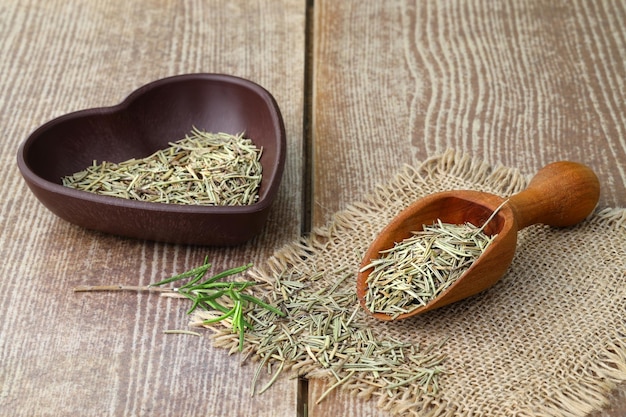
(561, 194)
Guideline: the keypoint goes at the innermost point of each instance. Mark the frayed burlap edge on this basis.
(577, 400)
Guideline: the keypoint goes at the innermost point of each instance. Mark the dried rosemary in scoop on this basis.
(421, 267)
(213, 169)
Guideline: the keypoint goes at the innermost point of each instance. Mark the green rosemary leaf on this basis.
(199, 300)
(196, 271)
(210, 296)
(200, 273)
(196, 302)
(239, 323)
(241, 338)
(229, 272)
(214, 285)
(220, 318)
(213, 304)
(246, 323)
(262, 304)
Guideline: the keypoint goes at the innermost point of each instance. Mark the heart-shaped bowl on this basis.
(148, 120)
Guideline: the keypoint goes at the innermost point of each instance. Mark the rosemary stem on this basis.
(96, 288)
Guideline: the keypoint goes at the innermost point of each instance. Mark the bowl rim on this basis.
(260, 205)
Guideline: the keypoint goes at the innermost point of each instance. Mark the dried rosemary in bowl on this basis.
(421, 267)
(213, 169)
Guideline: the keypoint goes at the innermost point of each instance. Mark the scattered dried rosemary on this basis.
(214, 169)
(320, 332)
(308, 321)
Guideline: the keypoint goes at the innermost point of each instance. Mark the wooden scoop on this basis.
(561, 194)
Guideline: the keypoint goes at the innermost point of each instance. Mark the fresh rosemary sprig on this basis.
(208, 295)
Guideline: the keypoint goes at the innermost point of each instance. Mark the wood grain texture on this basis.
(68, 354)
(520, 84)
(516, 83)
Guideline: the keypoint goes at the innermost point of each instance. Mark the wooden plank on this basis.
(518, 84)
(67, 354)
(515, 83)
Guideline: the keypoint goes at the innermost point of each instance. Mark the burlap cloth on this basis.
(549, 339)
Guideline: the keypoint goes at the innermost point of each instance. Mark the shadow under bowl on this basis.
(149, 119)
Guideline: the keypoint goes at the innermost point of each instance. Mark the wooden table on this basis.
(364, 87)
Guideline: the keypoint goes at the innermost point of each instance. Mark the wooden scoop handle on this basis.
(561, 194)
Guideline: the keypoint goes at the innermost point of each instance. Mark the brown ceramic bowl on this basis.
(151, 117)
